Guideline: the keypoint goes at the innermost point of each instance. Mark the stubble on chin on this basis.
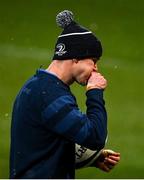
(82, 83)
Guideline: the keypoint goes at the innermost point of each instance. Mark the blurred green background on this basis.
(27, 37)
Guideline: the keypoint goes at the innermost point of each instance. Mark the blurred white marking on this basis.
(6, 114)
(13, 51)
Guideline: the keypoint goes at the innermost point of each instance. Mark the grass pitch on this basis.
(27, 37)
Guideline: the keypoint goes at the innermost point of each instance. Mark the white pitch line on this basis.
(13, 51)
(35, 53)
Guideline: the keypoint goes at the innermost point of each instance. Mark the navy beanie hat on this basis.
(75, 41)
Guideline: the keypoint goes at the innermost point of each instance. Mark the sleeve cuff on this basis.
(95, 92)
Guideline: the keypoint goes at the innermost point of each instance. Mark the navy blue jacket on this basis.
(46, 124)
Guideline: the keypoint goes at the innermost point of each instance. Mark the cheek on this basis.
(88, 71)
(86, 74)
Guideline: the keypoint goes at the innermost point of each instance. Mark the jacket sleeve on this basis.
(63, 117)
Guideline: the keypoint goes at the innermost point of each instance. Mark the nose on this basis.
(95, 67)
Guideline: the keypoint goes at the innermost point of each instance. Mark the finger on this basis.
(104, 167)
(116, 158)
(110, 152)
(110, 161)
(115, 154)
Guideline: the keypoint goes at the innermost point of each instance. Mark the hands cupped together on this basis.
(96, 80)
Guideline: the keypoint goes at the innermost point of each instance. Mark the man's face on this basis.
(83, 69)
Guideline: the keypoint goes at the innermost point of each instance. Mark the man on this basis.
(46, 121)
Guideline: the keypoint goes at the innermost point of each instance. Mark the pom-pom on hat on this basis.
(75, 41)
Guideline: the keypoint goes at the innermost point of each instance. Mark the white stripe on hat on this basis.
(71, 34)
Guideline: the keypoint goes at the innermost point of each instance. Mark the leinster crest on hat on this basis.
(60, 49)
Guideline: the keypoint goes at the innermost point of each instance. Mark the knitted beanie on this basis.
(75, 41)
